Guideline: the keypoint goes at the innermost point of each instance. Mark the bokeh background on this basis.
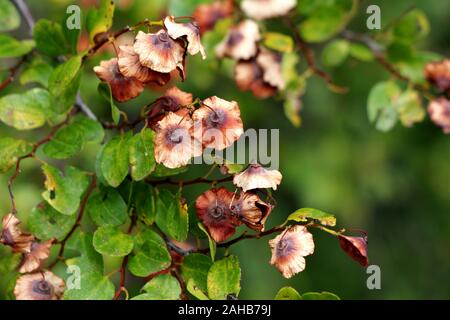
(395, 185)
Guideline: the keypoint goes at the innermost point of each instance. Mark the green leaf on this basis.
(288, 293)
(335, 52)
(47, 223)
(360, 52)
(399, 51)
(142, 157)
(211, 242)
(224, 278)
(25, 111)
(88, 259)
(161, 171)
(409, 108)
(64, 191)
(110, 241)
(63, 84)
(196, 266)
(150, 254)
(144, 202)
(322, 24)
(50, 39)
(302, 215)
(72, 36)
(163, 287)
(412, 27)
(114, 159)
(307, 7)
(320, 296)
(172, 215)
(278, 41)
(193, 289)
(11, 48)
(9, 17)
(71, 139)
(105, 91)
(107, 207)
(10, 150)
(380, 105)
(37, 72)
(101, 19)
(93, 286)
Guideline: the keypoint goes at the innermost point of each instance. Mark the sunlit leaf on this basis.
(11, 48)
(9, 17)
(380, 105)
(335, 52)
(64, 191)
(63, 84)
(288, 293)
(360, 52)
(211, 242)
(163, 287)
(71, 139)
(110, 241)
(193, 289)
(114, 159)
(224, 278)
(47, 223)
(319, 296)
(302, 215)
(37, 72)
(278, 41)
(142, 158)
(93, 286)
(25, 111)
(10, 150)
(409, 107)
(101, 19)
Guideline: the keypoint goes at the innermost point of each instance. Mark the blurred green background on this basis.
(396, 185)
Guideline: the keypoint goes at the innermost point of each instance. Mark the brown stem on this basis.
(309, 56)
(188, 182)
(12, 73)
(176, 273)
(31, 154)
(377, 50)
(81, 210)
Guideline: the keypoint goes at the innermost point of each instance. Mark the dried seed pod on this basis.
(289, 249)
(39, 286)
(264, 9)
(221, 122)
(240, 42)
(257, 177)
(213, 210)
(356, 248)
(174, 144)
(159, 52)
(123, 88)
(439, 111)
